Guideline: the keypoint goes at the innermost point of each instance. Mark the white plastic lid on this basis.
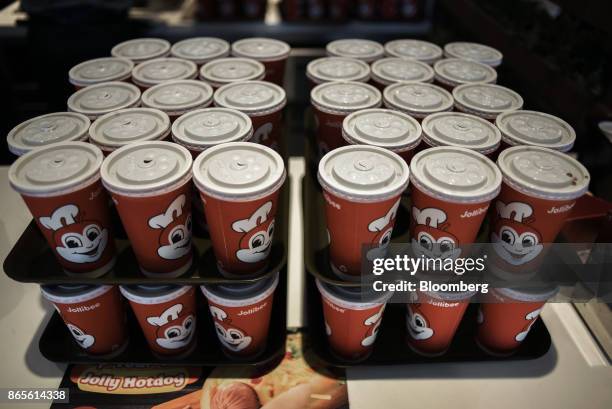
(416, 49)
(251, 97)
(455, 71)
(119, 128)
(149, 294)
(390, 70)
(240, 294)
(55, 168)
(486, 100)
(475, 52)
(536, 128)
(200, 50)
(328, 69)
(73, 293)
(177, 97)
(344, 97)
(100, 70)
(141, 49)
(226, 70)
(46, 129)
(458, 129)
(100, 99)
(259, 48)
(543, 172)
(207, 127)
(417, 98)
(527, 294)
(455, 174)
(146, 167)
(160, 70)
(364, 50)
(354, 298)
(382, 127)
(363, 173)
(236, 170)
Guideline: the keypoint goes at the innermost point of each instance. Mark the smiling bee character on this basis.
(515, 241)
(175, 226)
(429, 237)
(383, 227)
(231, 337)
(84, 340)
(175, 327)
(255, 244)
(78, 241)
(416, 323)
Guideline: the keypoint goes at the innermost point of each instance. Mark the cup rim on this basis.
(92, 293)
(253, 299)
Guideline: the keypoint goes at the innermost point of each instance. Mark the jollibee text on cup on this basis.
(167, 316)
(271, 53)
(351, 320)
(263, 102)
(239, 183)
(94, 315)
(332, 102)
(535, 200)
(432, 320)
(150, 184)
(241, 315)
(452, 188)
(362, 186)
(506, 317)
(61, 186)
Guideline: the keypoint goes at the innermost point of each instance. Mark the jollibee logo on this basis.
(83, 339)
(255, 244)
(514, 239)
(430, 237)
(78, 241)
(383, 227)
(175, 226)
(175, 327)
(373, 324)
(416, 323)
(231, 337)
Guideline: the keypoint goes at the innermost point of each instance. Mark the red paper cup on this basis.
(387, 71)
(167, 317)
(126, 126)
(452, 72)
(94, 315)
(179, 97)
(241, 313)
(239, 184)
(330, 69)
(506, 316)
(97, 100)
(474, 52)
(332, 102)
(486, 100)
(263, 102)
(362, 186)
(47, 129)
(539, 191)
(272, 53)
(535, 129)
(364, 50)
(417, 99)
(228, 70)
(432, 320)
(451, 191)
(150, 183)
(200, 50)
(462, 130)
(61, 186)
(141, 49)
(159, 70)
(100, 70)
(352, 319)
(393, 130)
(418, 50)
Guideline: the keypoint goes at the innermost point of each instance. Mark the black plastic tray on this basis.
(32, 261)
(57, 344)
(390, 347)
